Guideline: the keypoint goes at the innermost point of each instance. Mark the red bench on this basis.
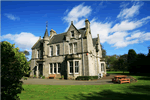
(121, 79)
(124, 81)
(52, 76)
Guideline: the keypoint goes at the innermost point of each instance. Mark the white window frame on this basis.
(58, 67)
(76, 67)
(57, 50)
(50, 68)
(75, 49)
(70, 67)
(55, 67)
(51, 50)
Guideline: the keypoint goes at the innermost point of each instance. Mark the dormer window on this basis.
(72, 33)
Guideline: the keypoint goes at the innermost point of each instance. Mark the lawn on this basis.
(134, 91)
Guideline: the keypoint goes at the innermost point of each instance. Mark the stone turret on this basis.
(45, 42)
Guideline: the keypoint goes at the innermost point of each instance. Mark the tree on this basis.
(13, 67)
(131, 59)
(26, 53)
(110, 61)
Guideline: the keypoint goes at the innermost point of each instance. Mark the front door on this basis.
(41, 69)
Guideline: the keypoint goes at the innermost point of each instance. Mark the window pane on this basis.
(102, 67)
(76, 66)
(57, 49)
(72, 33)
(75, 47)
(70, 48)
(54, 67)
(51, 51)
(71, 67)
(59, 67)
(51, 68)
(38, 53)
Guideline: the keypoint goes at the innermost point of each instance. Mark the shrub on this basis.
(13, 67)
(25, 78)
(86, 77)
(43, 77)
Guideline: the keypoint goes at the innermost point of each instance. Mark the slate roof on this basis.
(59, 38)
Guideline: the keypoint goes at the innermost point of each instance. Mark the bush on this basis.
(43, 77)
(13, 67)
(86, 77)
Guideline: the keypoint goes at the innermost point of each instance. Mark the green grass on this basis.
(135, 91)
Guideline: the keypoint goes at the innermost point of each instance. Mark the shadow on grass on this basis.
(142, 93)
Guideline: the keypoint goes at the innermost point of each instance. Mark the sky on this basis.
(121, 25)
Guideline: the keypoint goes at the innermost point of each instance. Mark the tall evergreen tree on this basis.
(130, 60)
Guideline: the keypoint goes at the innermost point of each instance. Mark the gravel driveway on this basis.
(65, 82)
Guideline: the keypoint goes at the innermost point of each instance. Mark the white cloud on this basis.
(124, 5)
(130, 25)
(11, 17)
(78, 12)
(23, 40)
(130, 12)
(118, 36)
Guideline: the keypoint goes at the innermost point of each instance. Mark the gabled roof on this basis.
(57, 38)
(37, 44)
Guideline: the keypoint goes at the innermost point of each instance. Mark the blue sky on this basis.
(121, 25)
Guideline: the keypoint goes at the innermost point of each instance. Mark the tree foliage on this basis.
(13, 67)
(26, 53)
(131, 59)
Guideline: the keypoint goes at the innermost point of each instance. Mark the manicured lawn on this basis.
(133, 91)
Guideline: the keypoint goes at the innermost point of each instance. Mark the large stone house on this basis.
(73, 53)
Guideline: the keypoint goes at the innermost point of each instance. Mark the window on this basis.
(38, 53)
(51, 50)
(71, 67)
(75, 47)
(51, 68)
(72, 33)
(41, 54)
(76, 66)
(70, 46)
(54, 67)
(59, 67)
(57, 50)
(102, 66)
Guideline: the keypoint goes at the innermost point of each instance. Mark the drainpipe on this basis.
(34, 59)
(82, 55)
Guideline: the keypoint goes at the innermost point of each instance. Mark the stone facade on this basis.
(73, 53)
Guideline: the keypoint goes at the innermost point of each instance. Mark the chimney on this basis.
(87, 24)
(52, 32)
